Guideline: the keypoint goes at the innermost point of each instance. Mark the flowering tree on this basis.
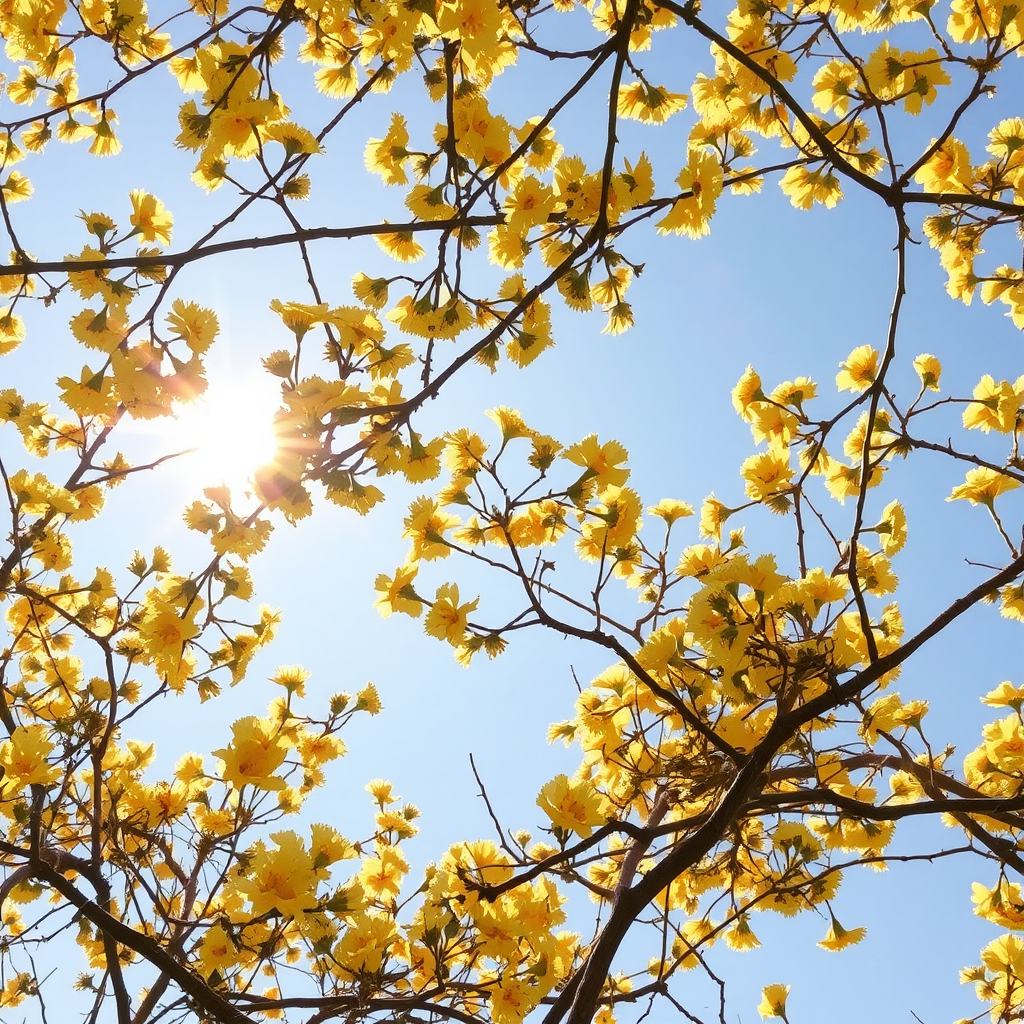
(746, 744)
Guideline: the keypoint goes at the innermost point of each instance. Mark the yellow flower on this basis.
(337, 82)
(17, 187)
(428, 203)
(713, 515)
(1004, 955)
(649, 103)
(104, 330)
(234, 130)
(529, 204)
(875, 573)
(615, 524)
(859, 370)
(573, 806)
(671, 509)
(884, 72)
(12, 331)
(217, 951)
(381, 791)
(446, 619)
(892, 530)
(507, 249)
(328, 846)
(1007, 138)
(698, 560)
(1001, 905)
(1004, 744)
(843, 481)
(543, 151)
(281, 880)
(995, 406)
(767, 474)
(795, 392)
(317, 748)
(292, 678)
(23, 759)
(924, 72)
(104, 142)
(425, 526)
(813, 592)
(701, 178)
(381, 876)
(773, 1001)
(421, 462)
(366, 942)
(511, 424)
(770, 423)
(373, 291)
(947, 170)
(17, 987)
(839, 937)
(805, 188)
(512, 999)
(929, 369)
(400, 245)
(426, 320)
(397, 593)
(214, 823)
(740, 937)
(1005, 695)
(603, 462)
(834, 85)
(746, 392)
(257, 750)
(982, 486)
(293, 137)
(164, 627)
(299, 317)
(884, 715)
(165, 631)
(194, 324)
(150, 218)
(368, 700)
(1011, 599)
(639, 180)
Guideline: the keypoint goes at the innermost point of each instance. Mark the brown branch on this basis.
(331, 1006)
(890, 194)
(575, 1003)
(210, 1001)
(989, 806)
(867, 466)
(176, 259)
(853, 687)
(688, 14)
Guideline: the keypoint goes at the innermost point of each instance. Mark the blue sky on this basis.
(790, 292)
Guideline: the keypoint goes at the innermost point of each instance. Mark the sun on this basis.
(227, 434)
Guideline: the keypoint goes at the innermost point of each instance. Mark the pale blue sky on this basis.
(791, 292)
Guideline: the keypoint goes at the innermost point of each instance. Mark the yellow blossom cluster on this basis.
(743, 748)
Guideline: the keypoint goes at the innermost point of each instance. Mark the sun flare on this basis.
(227, 434)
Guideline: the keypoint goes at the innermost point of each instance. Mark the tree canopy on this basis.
(746, 745)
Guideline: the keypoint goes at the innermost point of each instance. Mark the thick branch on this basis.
(176, 259)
